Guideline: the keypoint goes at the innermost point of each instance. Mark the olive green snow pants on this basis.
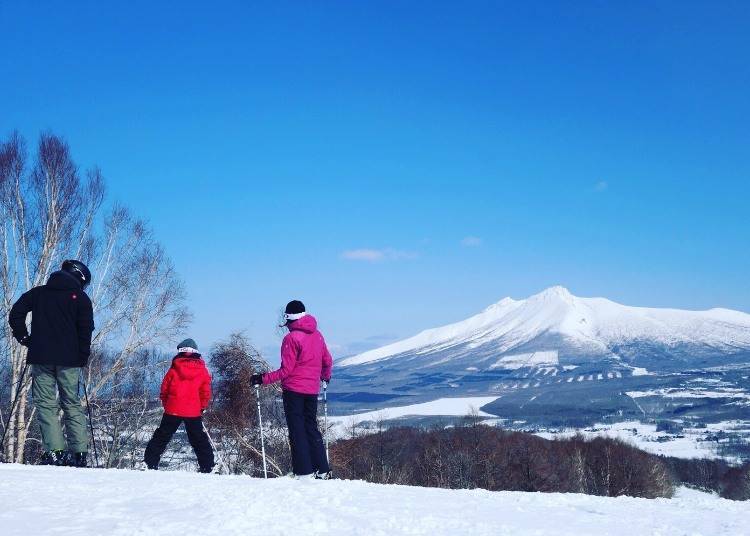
(48, 382)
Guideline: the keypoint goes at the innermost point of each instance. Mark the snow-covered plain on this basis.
(44, 500)
(725, 392)
(690, 443)
(443, 407)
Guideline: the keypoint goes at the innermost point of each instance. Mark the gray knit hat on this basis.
(188, 346)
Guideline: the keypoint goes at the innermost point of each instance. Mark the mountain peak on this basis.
(555, 292)
(501, 304)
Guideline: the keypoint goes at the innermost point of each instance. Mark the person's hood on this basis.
(188, 366)
(307, 323)
(63, 281)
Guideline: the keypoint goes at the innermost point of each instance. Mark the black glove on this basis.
(25, 341)
(256, 379)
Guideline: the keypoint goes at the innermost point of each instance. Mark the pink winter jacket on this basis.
(305, 359)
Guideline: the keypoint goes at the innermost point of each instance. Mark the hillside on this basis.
(44, 500)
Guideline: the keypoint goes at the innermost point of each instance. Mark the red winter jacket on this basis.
(186, 388)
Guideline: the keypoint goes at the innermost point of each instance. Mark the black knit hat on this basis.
(295, 310)
(294, 307)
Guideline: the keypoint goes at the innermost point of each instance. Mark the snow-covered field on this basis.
(698, 392)
(446, 407)
(43, 500)
(690, 443)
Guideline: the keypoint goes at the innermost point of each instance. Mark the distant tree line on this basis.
(713, 475)
(473, 455)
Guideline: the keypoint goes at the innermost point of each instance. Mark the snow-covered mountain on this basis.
(554, 327)
(555, 357)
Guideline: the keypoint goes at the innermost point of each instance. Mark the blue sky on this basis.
(400, 165)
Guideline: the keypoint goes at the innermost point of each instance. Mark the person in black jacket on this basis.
(62, 321)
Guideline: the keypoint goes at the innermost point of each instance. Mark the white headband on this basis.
(187, 350)
(295, 316)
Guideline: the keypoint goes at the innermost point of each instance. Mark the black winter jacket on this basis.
(62, 320)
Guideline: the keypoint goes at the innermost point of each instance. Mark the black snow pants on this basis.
(308, 450)
(196, 435)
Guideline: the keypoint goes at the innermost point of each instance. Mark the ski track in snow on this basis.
(76, 502)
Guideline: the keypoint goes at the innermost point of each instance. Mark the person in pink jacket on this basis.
(305, 362)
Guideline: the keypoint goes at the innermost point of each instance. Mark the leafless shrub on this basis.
(233, 415)
(126, 409)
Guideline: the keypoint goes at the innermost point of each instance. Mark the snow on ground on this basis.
(533, 359)
(451, 407)
(698, 392)
(737, 426)
(645, 437)
(640, 371)
(42, 501)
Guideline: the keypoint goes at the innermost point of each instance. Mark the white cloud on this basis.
(601, 186)
(376, 255)
(471, 242)
(369, 255)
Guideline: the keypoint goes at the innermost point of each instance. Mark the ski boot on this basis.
(78, 459)
(323, 476)
(150, 464)
(53, 457)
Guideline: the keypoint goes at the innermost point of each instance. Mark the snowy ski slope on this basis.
(42, 501)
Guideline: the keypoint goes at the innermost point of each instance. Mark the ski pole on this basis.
(213, 446)
(91, 421)
(325, 416)
(19, 385)
(260, 425)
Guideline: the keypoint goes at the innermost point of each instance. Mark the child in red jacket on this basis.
(185, 393)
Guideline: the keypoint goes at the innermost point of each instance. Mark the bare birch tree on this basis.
(49, 213)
